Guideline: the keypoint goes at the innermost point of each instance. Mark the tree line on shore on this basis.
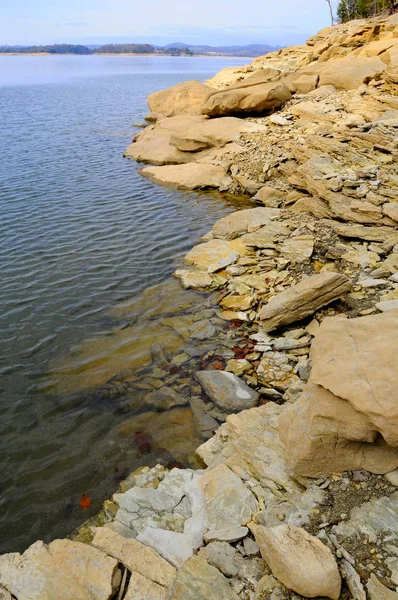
(354, 9)
(105, 49)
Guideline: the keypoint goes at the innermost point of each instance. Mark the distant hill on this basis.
(249, 50)
(176, 49)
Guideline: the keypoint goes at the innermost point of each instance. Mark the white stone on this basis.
(173, 546)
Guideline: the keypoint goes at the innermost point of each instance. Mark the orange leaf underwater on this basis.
(85, 502)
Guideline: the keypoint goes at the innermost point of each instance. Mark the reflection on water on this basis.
(85, 244)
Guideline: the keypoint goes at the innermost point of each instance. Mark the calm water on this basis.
(80, 231)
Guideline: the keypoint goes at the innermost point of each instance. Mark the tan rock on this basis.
(135, 556)
(347, 73)
(63, 570)
(4, 595)
(141, 588)
(237, 303)
(303, 299)
(270, 197)
(191, 176)
(186, 97)
(229, 503)
(193, 278)
(204, 255)
(212, 133)
(301, 83)
(197, 580)
(348, 346)
(300, 561)
(324, 434)
(315, 206)
(298, 248)
(371, 234)
(242, 221)
(264, 97)
(345, 419)
(391, 210)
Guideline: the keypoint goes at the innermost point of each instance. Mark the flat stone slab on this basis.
(191, 176)
(227, 391)
(303, 299)
(242, 221)
(135, 556)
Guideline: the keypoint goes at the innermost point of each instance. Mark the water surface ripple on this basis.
(80, 231)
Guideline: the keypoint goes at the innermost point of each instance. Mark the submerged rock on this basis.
(227, 391)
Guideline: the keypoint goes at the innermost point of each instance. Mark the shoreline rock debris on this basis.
(292, 381)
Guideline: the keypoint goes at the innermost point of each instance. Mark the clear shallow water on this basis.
(80, 232)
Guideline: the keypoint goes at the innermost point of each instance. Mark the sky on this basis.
(214, 22)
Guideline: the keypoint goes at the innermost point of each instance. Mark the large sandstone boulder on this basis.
(261, 98)
(348, 414)
(300, 561)
(187, 97)
(191, 176)
(347, 73)
(303, 299)
(181, 139)
(212, 133)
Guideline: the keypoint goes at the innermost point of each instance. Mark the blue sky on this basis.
(216, 22)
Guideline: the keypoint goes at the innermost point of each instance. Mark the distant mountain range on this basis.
(176, 49)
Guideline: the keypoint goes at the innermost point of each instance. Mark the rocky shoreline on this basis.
(294, 494)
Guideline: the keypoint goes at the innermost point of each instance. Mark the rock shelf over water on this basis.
(289, 375)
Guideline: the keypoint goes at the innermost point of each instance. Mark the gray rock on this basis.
(251, 547)
(392, 564)
(197, 580)
(353, 580)
(231, 535)
(387, 305)
(229, 503)
(371, 519)
(227, 391)
(222, 556)
(377, 591)
(164, 398)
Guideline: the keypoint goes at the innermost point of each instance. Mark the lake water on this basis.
(80, 232)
